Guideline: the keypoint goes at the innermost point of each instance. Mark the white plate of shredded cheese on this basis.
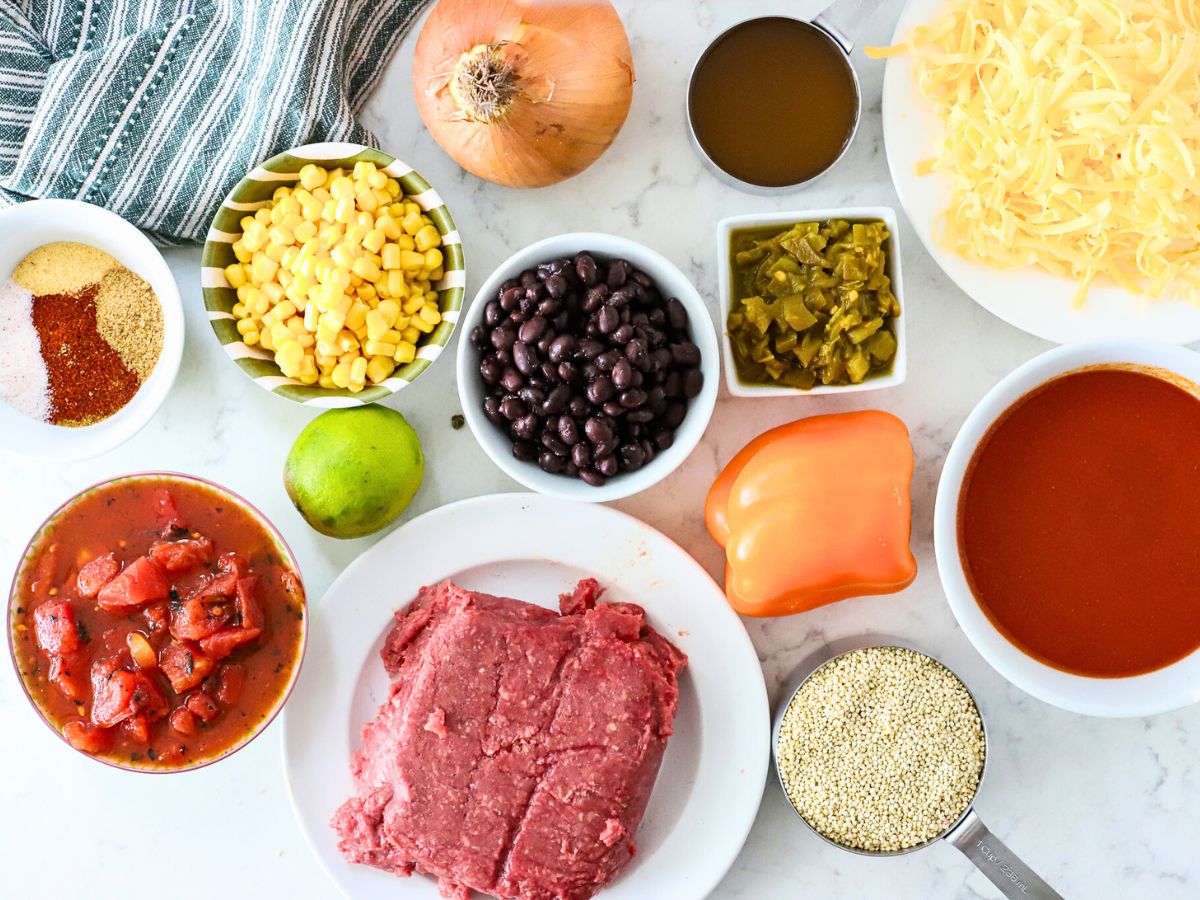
(1071, 160)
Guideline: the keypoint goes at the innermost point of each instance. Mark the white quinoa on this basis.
(24, 384)
(881, 749)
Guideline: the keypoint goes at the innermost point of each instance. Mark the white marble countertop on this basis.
(1100, 808)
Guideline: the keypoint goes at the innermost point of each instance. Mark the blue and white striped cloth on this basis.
(155, 108)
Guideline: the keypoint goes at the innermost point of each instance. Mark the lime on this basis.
(352, 471)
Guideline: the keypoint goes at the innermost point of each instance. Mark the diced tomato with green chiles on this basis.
(221, 644)
(202, 706)
(166, 510)
(56, 628)
(184, 665)
(184, 721)
(96, 574)
(69, 675)
(249, 611)
(138, 727)
(87, 737)
(139, 583)
(118, 693)
(156, 616)
(230, 679)
(194, 620)
(179, 556)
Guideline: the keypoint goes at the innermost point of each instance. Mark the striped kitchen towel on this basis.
(155, 108)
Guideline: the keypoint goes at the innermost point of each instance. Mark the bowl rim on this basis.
(700, 408)
(165, 474)
(138, 254)
(1171, 687)
(887, 215)
(451, 288)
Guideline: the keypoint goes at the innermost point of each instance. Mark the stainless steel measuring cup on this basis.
(838, 24)
(968, 834)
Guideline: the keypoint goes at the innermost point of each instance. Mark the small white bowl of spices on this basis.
(91, 329)
(880, 749)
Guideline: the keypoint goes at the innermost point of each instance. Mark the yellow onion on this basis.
(523, 93)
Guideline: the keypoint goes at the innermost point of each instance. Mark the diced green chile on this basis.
(812, 304)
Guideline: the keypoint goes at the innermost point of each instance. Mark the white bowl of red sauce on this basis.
(1067, 527)
(157, 622)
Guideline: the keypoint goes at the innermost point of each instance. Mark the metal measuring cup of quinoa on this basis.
(881, 749)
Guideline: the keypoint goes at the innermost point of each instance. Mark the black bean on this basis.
(632, 456)
(656, 317)
(525, 450)
(638, 355)
(581, 455)
(533, 396)
(532, 330)
(592, 477)
(673, 384)
(612, 408)
(623, 335)
(480, 338)
(511, 380)
(660, 358)
(607, 466)
(549, 308)
(556, 286)
(677, 314)
(595, 297)
(585, 268)
(533, 295)
(579, 406)
(504, 337)
(597, 430)
(685, 354)
(509, 283)
(607, 360)
(491, 409)
(527, 426)
(551, 463)
(528, 278)
(674, 415)
(561, 321)
(544, 342)
(621, 296)
(571, 469)
(608, 319)
(639, 416)
(554, 445)
(622, 375)
(549, 371)
(562, 348)
(568, 431)
(590, 349)
(632, 398)
(656, 399)
(511, 299)
(493, 313)
(568, 372)
(618, 271)
(556, 400)
(490, 370)
(504, 357)
(643, 280)
(693, 381)
(513, 408)
(663, 438)
(525, 358)
(600, 390)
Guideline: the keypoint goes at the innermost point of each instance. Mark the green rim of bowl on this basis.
(254, 192)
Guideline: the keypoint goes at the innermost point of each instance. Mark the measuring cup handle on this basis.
(843, 18)
(1000, 865)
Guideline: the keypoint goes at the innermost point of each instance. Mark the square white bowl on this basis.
(725, 229)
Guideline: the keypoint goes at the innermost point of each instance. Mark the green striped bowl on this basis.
(254, 192)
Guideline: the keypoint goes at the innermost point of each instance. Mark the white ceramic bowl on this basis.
(1165, 689)
(785, 220)
(672, 283)
(26, 227)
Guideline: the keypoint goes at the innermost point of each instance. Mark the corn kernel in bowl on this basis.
(336, 277)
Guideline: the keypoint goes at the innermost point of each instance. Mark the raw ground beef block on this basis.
(519, 746)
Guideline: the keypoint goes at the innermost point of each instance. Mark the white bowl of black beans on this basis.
(588, 367)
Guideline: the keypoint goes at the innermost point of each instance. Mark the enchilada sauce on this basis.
(1079, 523)
(157, 624)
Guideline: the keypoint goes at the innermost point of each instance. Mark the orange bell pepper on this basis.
(815, 511)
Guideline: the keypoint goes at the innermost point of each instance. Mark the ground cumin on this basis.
(130, 318)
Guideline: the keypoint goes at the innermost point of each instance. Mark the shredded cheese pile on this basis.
(1072, 136)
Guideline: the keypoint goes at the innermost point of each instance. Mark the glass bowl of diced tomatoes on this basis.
(157, 622)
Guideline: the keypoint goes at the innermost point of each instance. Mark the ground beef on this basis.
(519, 746)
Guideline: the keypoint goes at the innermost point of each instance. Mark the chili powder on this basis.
(88, 380)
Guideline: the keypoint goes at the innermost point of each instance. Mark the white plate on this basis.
(534, 548)
(1030, 299)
